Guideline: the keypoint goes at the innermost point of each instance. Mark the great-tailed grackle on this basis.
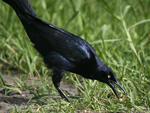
(61, 50)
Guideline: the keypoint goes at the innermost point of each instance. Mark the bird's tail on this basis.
(27, 15)
(21, 6)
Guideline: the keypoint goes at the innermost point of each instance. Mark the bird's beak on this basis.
(113, 87)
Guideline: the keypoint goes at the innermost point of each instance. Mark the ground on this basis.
(10, 100)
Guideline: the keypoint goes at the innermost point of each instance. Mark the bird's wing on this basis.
(68, 45)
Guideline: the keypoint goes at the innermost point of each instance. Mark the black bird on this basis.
(61, 50)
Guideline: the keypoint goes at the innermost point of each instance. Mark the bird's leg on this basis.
(56, 78)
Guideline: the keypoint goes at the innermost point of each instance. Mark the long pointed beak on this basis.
(114, 88)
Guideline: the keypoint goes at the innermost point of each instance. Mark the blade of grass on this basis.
(138, 23)
(131, 42)
(15, 89)
(2, 79)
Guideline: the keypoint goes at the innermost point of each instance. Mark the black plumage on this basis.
(61, 50)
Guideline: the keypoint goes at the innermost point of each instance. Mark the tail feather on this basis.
(27, 14)
(21, 6)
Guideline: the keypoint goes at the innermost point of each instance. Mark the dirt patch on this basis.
(14, 98)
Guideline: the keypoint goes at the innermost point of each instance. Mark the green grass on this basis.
(118, 30)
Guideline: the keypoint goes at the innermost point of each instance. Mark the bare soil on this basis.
(10, 100)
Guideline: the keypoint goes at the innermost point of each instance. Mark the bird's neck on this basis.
(100, 70)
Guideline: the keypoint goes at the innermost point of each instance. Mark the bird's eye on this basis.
(109, 76)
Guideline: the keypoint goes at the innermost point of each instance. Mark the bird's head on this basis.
(106, 75)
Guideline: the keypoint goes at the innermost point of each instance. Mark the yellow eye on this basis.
(109, 76)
